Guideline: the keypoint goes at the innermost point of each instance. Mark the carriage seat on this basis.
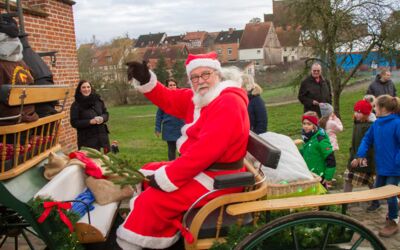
(211, 223)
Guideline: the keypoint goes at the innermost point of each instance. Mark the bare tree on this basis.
(345, 26)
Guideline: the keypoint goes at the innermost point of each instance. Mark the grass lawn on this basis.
(133, 128)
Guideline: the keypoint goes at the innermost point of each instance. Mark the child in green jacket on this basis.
(317, 149)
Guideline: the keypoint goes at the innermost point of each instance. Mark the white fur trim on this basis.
(184, 136)
(203, 62)
(163, 181)
(211, 95)
(132, 240)
(145, 88)
(146, 172)
(205, 181)
(126, 245)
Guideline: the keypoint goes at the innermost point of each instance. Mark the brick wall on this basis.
(224, 57)
(53, 30)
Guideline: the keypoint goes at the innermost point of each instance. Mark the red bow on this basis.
(91, 168)
(184, 231)
(48, 205)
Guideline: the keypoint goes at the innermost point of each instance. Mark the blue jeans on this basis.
(381, 181)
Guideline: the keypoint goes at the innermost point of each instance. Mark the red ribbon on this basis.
(48, 206)
(184, 231)
(91, 168)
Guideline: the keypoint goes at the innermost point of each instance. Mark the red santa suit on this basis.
(215, 132)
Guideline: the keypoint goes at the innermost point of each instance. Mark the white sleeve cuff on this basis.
(163, 181)
(147, 87)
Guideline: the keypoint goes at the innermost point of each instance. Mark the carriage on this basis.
(22, 179)
(24, 148)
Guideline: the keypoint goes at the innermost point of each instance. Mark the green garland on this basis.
(120, 166)
(310, 236)
(60, 232)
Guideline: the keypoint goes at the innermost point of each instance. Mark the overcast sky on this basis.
(112, 18)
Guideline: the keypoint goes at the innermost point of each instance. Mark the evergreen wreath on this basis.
(65, 239)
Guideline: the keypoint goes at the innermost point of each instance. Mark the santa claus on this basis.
(213, 143)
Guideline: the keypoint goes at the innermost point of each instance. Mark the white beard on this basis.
(203, 100)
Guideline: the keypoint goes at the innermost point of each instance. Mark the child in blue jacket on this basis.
(384, 137)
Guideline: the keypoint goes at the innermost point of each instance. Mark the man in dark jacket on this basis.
(315, 89)
(382, 85)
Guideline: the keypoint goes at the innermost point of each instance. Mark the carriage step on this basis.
(314, 200)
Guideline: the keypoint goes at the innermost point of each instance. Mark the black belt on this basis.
(226, 165)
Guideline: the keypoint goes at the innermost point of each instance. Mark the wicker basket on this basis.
(276, 190)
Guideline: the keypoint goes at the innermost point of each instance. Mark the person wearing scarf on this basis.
(317, 150)
(89, 116)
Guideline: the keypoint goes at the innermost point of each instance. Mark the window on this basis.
(219, 51)
(229, 51)
(285, 49)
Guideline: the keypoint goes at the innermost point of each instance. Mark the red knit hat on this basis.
(202, 60)
(312, 119)
(363, 107)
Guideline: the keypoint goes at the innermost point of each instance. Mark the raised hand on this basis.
(139, 71)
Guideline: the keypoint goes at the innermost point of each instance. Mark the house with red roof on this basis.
(289, 39)
(226, 44)
(195, 39)
(259, 43)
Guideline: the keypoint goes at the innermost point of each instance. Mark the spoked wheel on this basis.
(12, 225)
(312, 230)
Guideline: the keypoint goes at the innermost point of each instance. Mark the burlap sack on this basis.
(106, 192)
(55, 164)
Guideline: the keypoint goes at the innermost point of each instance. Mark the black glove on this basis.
(139, 71)
(153, 183)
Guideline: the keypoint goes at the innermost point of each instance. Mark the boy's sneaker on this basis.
(373, 207)
(389, 229)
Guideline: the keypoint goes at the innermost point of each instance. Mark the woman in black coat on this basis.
(89, 116)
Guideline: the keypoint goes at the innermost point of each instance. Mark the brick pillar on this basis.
(55, 32)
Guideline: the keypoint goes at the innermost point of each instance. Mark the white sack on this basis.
(291, 166)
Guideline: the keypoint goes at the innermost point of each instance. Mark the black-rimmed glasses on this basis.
(205, 76)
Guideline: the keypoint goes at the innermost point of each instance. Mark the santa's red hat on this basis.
(202, 60)
(363, 107)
